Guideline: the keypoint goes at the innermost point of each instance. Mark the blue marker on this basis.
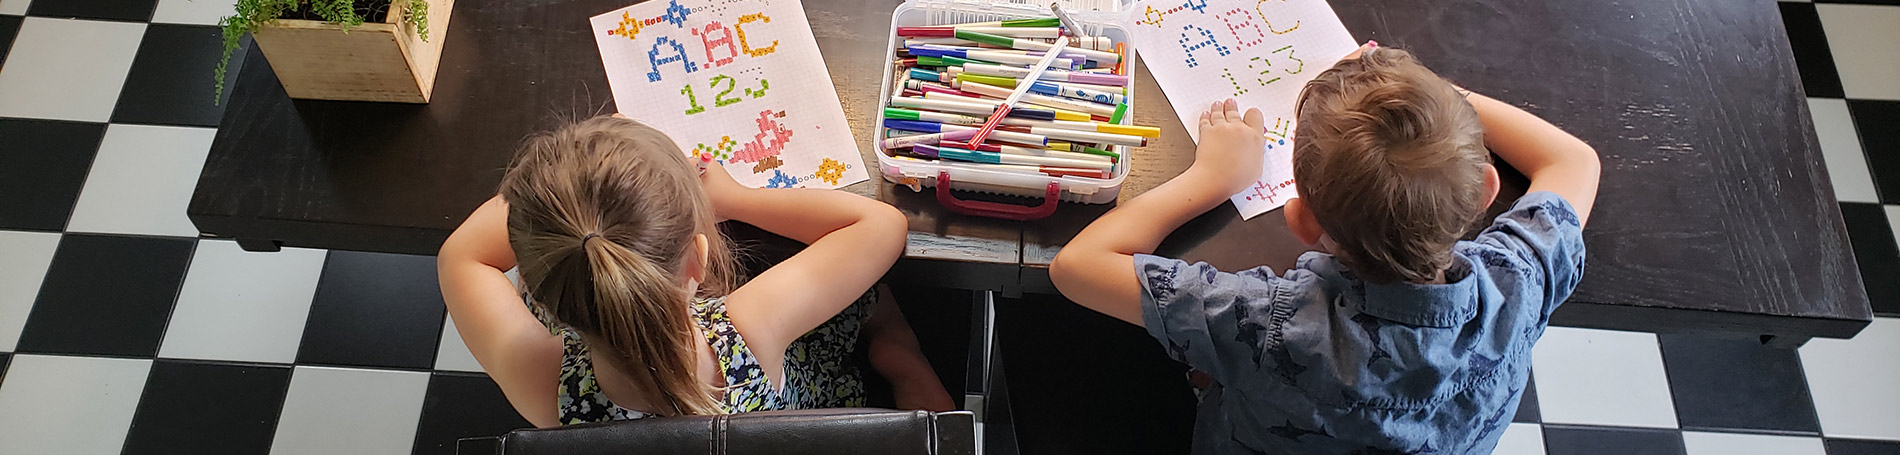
(1071, 91)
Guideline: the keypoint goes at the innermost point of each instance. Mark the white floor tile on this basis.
(1602, 377)
(27, 254)
(69, 405)
(342, 410)
(1840, 145)
(14, 7)
(67, 69)
(451, 353)
(1521, 439)
(243, 306)
(1862, 39)
(1750, 444)
(1853, 382)
(141, 181)
(1893, 220)
(200, 12)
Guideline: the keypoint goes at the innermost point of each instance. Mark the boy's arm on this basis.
(1554, 160)
(1097, 268)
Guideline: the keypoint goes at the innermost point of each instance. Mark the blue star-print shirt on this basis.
(1317, 361)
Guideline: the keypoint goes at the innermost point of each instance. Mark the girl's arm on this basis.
(512, 346)
(1554, 160)
(1097, 268)
(853, 241)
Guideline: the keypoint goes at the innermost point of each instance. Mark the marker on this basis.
(1079, 148)
(914, 42)
(975, 156)
(1121, 111)
(1033, 45)
(1057, 114)
(926, 139)
(940, 88)
(1045, 100)
(931, 50)
(928, 75)
(1067, 53)
(973, 106)
(1050, 75)
(1099, 127)
(1053, 171)
(1082, 136)
(931, 127)
(939, 117)
(943, 61)
(1028, 151)
(938, 31)
(1037, 22)
(1076, 91)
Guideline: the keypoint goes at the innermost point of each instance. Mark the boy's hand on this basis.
(724, 192)
(1232, 147)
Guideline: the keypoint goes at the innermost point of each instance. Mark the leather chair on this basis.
(809, 431)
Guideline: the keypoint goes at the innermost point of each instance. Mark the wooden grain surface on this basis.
(1715, 213)
(399, 178)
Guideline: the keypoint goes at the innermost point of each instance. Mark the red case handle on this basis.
(997, 209)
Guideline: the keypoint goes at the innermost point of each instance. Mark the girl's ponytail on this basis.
(603, 217)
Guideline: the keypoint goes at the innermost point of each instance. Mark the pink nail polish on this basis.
(1373, 43)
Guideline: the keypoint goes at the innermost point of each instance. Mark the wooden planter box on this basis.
(376, 61)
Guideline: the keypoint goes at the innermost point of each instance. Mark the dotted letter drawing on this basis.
(725, 38)
(830, 171)
(1230, 78)
(1263, 18)
(630, 27)
(770, 162)
(1263, 82)
(1153, 16)
(1279, 130)
(679, 55)
(739, 27)
(1235, 29)
(1289, 56)
(768, 142)
(1197, 8)
(780, 180)
(1188, 49)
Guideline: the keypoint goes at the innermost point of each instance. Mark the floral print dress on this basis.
(819, 372)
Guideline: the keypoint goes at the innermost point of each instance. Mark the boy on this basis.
(1399, 338)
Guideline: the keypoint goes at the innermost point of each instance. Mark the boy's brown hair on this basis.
(1390, 159)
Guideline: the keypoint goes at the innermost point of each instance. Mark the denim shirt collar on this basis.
(1455, 302)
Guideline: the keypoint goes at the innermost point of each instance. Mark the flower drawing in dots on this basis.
(780, 180)
(830, 171)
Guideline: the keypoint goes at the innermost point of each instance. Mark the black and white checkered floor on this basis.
(120, 331)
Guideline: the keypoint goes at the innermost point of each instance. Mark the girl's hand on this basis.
(726, 194)
(1232, 147)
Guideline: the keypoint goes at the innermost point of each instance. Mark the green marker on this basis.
(999, 81)
(1121, 110)
(942, 61)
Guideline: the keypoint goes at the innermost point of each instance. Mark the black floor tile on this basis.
(113, 10)
(1731, 384)
(5, 359)
(171, 79)
(374, 310)
(1095, 385)
(1878, 122)
(1862, 447)
(1527, 410)
(1875, 253)
(202, 407)
(43, 164)
(1811, 54)
(1569, 440)
(1863, 2)
(9, 27)
(462, 405)
(107, 295)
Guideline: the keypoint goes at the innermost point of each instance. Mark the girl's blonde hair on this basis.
(602, 216)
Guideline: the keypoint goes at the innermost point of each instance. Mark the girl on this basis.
(627, 280)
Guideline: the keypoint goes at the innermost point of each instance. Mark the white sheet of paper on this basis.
(739, 80)
(1259, 52)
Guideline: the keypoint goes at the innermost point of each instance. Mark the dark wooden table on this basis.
(1715, 214)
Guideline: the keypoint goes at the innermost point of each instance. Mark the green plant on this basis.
(253, 14)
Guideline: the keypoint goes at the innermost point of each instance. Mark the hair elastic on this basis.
(589, 236)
